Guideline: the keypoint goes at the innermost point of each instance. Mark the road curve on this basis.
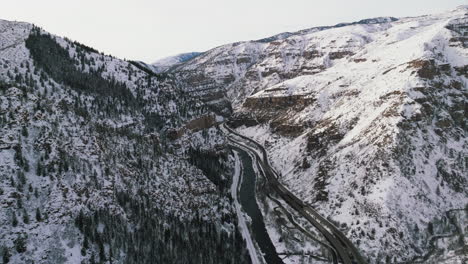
(346, 251)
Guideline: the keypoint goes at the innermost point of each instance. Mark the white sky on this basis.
(147, 30)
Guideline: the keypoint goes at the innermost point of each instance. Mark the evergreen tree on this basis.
(102, 253)
(85, 243)
(430, 228)
(6, 255)
(20, 244)
(83, 251)
(21, 178)
(24, 132)
(38, 215)
(14, 221)
(39, 168)
(92, 260)
(26, 165)
(25, 216)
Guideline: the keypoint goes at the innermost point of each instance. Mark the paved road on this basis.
(345, 250)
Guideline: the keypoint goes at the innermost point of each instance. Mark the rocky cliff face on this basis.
(366, 122)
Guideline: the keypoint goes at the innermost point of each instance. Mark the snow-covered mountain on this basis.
(88, 170)
(166, 63)
(366, 122)
(105, 160)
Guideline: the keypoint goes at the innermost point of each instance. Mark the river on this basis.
(249, 204)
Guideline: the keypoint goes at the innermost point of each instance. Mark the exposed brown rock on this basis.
(194, 125)
(360, 60)
(310, 54)
(223, 61)
(228, 79)
(297, 102)
(318, 143)
(425, 68)
(203, 122)
(339, 54)
(237, 122)
(212, 96)
(196, 78)
(387, 71)
(287, 129)
(241, 60)
(275, 43)
(391, 94)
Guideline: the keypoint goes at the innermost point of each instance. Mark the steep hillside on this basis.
(366, 122)
(87, 170)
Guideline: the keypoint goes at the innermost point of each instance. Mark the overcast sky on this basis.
(150, 29)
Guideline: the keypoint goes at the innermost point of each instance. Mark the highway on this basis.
(343, 247)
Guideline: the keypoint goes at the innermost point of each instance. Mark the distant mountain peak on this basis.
(164, 64)
(367, 21)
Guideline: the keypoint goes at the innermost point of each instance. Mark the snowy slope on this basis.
(235, 71)
(86, 174)
(367, 122)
